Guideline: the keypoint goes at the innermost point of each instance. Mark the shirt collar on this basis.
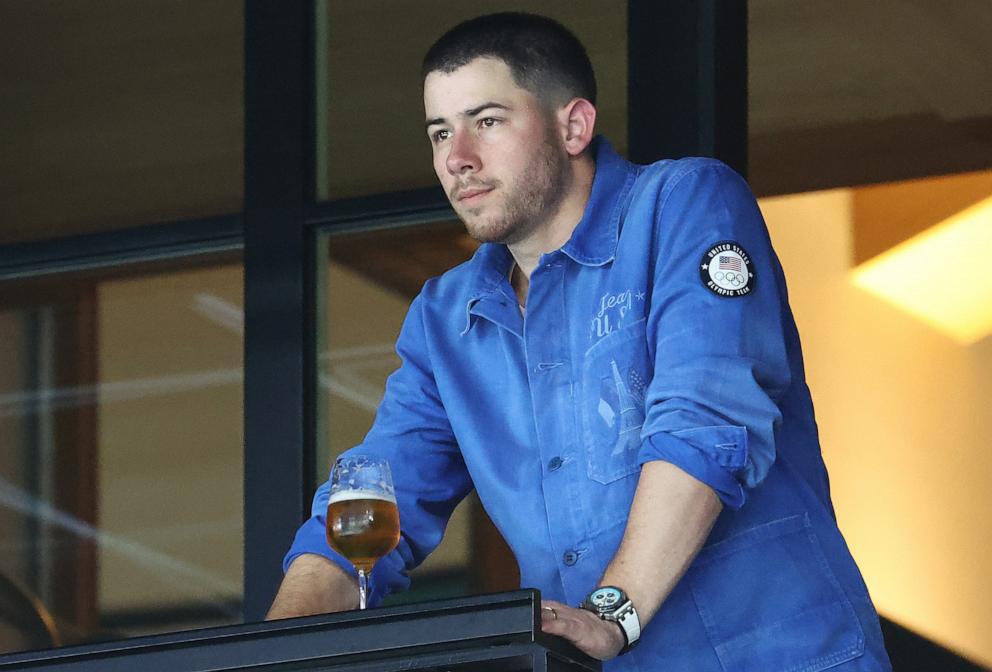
(593, 242)
(491, 266)
(490, 269)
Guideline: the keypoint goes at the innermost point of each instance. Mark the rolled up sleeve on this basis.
(701, 454)
(720, 362)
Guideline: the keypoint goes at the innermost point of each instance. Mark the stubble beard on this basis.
(532, 199)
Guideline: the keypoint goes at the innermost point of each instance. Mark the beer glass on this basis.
(363, 523)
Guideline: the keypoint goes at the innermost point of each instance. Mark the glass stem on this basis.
(363, 588)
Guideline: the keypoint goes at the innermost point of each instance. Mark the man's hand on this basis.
(587, 631)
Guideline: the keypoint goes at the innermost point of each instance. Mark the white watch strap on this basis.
(627, 619)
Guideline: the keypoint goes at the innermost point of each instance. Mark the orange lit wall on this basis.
(905, 417)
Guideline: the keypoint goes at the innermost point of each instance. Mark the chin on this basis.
(486, 236)
(488, 231)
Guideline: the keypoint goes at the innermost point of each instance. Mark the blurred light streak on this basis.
(942, 276)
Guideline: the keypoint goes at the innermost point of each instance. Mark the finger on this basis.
(559, 628)
(562, 620)
(582, 628)
(554, 617)
(550, 610)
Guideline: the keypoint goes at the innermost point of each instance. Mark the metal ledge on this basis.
(501, 631)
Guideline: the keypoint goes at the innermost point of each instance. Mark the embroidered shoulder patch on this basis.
(726, 270)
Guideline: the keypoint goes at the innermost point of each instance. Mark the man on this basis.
(617, 372)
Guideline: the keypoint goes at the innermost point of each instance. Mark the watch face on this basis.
(605, 598)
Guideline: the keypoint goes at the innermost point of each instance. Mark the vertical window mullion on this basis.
(278, 322)
(687, 80)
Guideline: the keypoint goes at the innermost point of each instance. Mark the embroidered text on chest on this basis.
(614, 310)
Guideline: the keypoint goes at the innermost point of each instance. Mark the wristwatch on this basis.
(612, 604)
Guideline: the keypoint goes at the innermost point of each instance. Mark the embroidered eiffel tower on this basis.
(630, 415)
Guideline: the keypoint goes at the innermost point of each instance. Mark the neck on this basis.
(555, 232)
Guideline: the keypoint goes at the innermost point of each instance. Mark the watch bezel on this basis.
(621, 598)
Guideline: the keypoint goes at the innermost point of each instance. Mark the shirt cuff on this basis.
(311, 538)
(386, 577)
(711, 455)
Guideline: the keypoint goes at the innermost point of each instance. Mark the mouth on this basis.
(472, 195)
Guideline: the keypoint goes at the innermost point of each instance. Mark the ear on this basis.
(577, 121)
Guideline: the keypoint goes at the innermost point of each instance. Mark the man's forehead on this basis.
(480, 80)
(488, 67)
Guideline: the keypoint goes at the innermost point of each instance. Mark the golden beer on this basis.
(362, 526)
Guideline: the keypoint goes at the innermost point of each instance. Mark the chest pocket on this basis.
(615, 375)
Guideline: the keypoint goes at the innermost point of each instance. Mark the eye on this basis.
(488, 122)
(440, 135)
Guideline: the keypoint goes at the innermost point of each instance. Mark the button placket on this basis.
(550, 378)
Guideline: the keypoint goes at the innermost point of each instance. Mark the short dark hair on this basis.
(544, 57)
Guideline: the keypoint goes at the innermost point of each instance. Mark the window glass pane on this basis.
(118, 113)
(864, 92)
(369, 88)
(121, 452)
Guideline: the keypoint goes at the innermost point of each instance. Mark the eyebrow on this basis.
(469, 113)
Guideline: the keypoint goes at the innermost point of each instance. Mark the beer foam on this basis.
(348, 495)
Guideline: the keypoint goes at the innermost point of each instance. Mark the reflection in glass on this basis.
(367, 281)
(121, 451)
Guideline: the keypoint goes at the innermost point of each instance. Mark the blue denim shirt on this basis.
(660, 331)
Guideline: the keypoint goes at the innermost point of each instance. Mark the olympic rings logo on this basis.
(730, 278)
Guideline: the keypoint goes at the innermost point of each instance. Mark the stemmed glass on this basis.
(363, 522)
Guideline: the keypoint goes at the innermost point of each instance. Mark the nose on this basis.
(463, 156)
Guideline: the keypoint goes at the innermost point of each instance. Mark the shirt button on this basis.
(555, 463)
(570, 558)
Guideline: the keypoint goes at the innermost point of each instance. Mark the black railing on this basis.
(490, 632)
